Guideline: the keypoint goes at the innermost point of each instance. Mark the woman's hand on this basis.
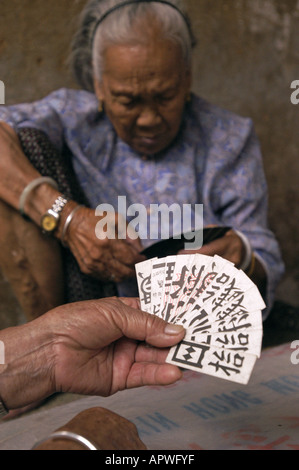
(229, 247)
(102, 255)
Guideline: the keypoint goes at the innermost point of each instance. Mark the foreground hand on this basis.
(103, 347)
(106, 259)
(93, 348)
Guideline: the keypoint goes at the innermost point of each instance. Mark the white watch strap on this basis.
(59, 204)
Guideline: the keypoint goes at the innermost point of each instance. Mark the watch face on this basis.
(49, 222)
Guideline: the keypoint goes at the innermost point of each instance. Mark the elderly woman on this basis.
(136, 130)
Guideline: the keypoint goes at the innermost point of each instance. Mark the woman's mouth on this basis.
(148, 141)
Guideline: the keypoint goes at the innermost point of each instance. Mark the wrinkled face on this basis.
(144, 90)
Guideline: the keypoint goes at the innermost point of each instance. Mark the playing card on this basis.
(143, 275)
(157, 284)
(226, 364)
(202, 274)
(165, 268)
(175, 287)
(218, 305)
(195, 283)
(246, 340)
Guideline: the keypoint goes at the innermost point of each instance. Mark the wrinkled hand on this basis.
(229, 247)
(106, 259)
(97, 425)
(102, 347)
(96, 347)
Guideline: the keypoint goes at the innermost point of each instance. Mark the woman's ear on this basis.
(98, 90)
(99, 94)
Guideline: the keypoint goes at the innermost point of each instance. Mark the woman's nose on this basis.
(149, 117)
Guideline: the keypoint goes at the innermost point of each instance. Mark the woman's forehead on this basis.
(159, 61)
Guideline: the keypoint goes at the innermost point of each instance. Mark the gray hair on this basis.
(120, 28)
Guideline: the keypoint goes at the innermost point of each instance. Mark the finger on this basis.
(213, 248)
(125, 253)
(189, 252)
(142, 326)
(152, 374)
(104, 267)
(118, 272)
(209, 249)
(133, 302)
(148, 353)
(216, 247)
(228, 246)
(123, 320)
(155, 331)
(134, 243)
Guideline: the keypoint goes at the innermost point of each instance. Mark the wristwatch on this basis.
(50, 219)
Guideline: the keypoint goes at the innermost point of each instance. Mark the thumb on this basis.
(162, 334)
(150, 328)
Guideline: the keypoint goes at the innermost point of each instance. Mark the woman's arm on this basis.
(16, 172)
(105, 259)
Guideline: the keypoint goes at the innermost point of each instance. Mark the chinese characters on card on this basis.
(218, 305)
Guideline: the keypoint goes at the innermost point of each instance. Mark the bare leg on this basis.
(31, 262)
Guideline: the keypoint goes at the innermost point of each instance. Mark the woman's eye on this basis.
(166, 99)
(128, 103)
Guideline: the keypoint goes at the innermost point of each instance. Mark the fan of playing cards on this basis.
(218, 305)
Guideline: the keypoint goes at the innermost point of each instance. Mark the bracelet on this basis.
(248, 251)
(251, 267)
(67, 223)
(71, 436)
(33, 184)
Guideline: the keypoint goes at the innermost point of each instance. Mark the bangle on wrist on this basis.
(67, 224)
(251, 268)
(72, 436)
(32, 185)
(248, 251)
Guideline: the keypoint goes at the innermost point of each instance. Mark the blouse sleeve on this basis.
(45, 115)
(237, 196)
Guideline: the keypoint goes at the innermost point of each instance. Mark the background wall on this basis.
(246, 58)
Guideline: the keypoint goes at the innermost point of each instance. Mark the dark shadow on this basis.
(282, 325)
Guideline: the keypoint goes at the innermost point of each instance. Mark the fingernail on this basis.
(171, 329)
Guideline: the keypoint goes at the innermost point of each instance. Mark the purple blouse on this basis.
(215, 161)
